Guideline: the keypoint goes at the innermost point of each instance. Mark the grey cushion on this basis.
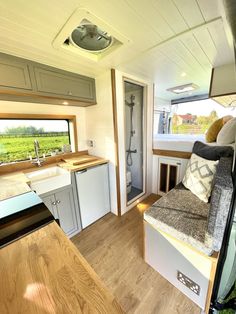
(212, 152)
(182, 215)
(220, 204)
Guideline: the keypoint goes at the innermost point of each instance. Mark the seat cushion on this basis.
(182, 215)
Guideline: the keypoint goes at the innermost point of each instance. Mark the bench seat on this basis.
(182, 215)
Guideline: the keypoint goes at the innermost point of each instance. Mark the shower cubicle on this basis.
(134, 140)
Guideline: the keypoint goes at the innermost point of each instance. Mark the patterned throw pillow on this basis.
(199, 176)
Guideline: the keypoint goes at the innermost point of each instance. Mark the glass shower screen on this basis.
(134, 143)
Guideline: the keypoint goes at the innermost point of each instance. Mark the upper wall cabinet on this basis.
(72, 86)
(223, 85)
(15, 74)
(24, 80)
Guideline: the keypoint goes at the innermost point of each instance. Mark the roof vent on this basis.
(87, 35)
(90, 37)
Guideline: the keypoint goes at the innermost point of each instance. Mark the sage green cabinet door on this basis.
(66, 211)
(14, 74)
(50, 202)
(59, 83)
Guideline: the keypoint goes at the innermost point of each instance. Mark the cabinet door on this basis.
(14, 74)
(169, 174)
(50, 202)
(60, 83)
(66, 211)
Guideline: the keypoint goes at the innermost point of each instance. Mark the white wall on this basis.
(148, 91)
(99, 128)
(35, 108)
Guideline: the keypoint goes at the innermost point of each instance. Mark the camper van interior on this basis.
(117, 157)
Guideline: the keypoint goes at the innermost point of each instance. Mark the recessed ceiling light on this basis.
(183, 74)
(183, 88)
(65, 103)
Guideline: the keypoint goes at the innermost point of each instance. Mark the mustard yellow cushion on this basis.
(214, 129)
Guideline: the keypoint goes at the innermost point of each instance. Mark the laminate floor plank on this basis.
(113, 247)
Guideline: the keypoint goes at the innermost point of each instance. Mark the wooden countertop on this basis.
(16, 183)
(45, 273)
(86, 165)
(13, 184)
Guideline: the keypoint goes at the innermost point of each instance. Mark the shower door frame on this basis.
(144, 134)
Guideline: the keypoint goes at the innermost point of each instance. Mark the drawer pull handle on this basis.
(54, 203)
(58, 202)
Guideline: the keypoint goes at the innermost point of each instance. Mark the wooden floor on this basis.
(113, 247)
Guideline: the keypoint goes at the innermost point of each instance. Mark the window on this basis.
(17, 137)
(189, 118)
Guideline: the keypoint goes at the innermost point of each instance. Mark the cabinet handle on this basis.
(54, 203)
(58, 202)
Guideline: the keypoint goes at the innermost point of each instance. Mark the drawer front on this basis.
(14, 74)
(70, 86)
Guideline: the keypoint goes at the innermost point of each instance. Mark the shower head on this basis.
(130, 104)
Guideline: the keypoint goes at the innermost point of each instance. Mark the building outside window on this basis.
(190, 118)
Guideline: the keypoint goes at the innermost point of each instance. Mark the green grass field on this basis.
(16, 148)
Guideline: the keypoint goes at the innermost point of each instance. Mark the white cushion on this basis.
(227, 133)
(199, 176)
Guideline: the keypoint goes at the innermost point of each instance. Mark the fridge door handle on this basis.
(82, 171)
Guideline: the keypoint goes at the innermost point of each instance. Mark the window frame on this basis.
(71, 124)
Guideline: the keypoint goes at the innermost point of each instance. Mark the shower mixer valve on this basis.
(134, 151)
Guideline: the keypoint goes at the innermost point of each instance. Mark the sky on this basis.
(204, 108)
(48, 125)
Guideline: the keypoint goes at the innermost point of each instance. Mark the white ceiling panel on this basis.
(171, 14)
(209, 9)
(167, 38)
(189, 10)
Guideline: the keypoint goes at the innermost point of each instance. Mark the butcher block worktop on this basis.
(45, 273)
(15, 183)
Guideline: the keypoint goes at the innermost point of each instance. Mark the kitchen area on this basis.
(40, 267)
(47, 197)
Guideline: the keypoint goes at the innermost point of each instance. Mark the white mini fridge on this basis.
(93, 193)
